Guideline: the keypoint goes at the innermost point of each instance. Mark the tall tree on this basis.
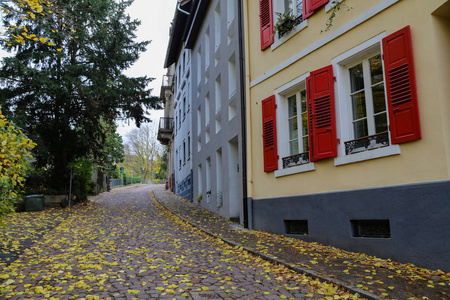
(142, 143)
(60, 91)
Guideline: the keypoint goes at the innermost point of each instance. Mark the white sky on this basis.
(155, 16)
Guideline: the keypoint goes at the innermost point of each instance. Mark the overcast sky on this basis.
(155, 16)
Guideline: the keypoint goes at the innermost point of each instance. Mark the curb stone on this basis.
(269, 258)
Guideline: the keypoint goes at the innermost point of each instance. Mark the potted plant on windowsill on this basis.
(285, 23)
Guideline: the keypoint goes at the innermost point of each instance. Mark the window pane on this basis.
(292, 103)
(305, 144)
(304, 124)
(356, 78)
(303, 100)
(299, 8)
(379, 99)
(381, 123)
(360, 128)
(359, 106)
(376, 69)
(293, 146)
(293, 128)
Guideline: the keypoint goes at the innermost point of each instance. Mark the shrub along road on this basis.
(126, 245)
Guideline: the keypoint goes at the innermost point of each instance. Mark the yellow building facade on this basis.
(348, 120)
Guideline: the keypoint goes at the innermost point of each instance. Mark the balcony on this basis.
(165, 130)
(167, 84)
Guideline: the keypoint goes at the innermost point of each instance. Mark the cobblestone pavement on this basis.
(371, 277)
(126, 245)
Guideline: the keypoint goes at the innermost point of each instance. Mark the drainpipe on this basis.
(179, 8)
(243, 112)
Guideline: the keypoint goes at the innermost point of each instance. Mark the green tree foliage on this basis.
(14, 156)
(82, 173)
(63, 94)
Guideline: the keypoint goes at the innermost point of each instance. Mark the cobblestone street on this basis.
(126, 245)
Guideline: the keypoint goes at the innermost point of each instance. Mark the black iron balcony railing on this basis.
(367, 143)
(166, 124)
(295, 160)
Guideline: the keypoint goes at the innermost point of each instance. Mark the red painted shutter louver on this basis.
(310, 6)
(270, 134)
(316, 4)
(321, 114)
(404, 122)
(266, 18)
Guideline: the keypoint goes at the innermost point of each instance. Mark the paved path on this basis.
(128, 246)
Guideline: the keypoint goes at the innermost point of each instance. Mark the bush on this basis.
(82, 173)
(14, 161)
(129, 180)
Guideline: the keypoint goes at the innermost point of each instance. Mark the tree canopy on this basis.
(63, 91)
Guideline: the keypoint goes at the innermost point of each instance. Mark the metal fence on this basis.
(116, 182)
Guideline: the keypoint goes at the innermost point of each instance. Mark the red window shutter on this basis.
(316, 4)
(266, 18)
(310, 6)
(270, 134)
(321, 114)
(401, 87)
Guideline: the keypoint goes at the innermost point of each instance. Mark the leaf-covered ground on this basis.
(125, 245)
(385, 278)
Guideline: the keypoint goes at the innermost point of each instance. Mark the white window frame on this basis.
(279, 7)
(343, 103)
(283, 126)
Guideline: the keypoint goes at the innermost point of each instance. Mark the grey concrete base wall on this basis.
(185, 187)
(418, 214)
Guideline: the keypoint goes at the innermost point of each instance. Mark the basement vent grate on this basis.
(296, 227)
(371, 228)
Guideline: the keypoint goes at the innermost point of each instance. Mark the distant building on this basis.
(217, 89)
(178, 58)
(166, 124)
(205, 46)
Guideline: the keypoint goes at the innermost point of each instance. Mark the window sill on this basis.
(280, 41)
(367, 155)
(295, 170)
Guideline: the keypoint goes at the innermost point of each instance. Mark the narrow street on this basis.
(126, 245)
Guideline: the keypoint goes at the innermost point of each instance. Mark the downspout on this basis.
(243, 113)
(179, 8)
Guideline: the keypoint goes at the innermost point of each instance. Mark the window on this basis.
(377, 98)
(189, 146)
(271, 10)
(207, 110)
(199, 120)
(295, 7)
(288, 15)
(298, 130)
(232, 79)
(368, 102)
(184, 108)
(292, 129)
(184, 152)
(375, 108)
(176, 122)
(218, 94)
(217, 27)
(199, 66)
(207, 49)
